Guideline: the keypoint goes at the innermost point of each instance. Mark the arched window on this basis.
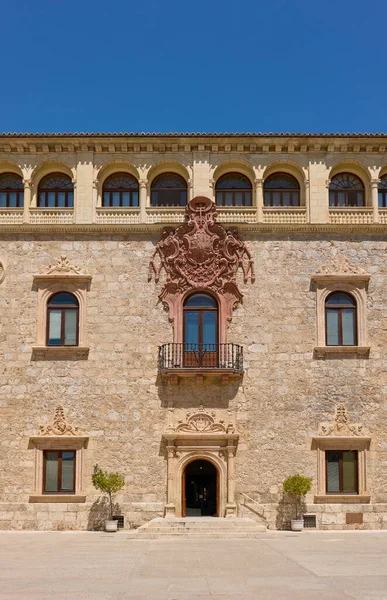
(56, 190)
(233, 189)
(340, 320)
(11, 191)
(281, 189)
(200, 331)
(120, 189)
(169, 189)
(62, 320)
(346, 189)
(382, 192)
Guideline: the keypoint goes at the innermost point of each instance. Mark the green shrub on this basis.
(297, 486)
(108, 483)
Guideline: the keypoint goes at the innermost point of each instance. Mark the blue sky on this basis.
(207, 65)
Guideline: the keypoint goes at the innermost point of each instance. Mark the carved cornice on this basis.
(341, 426)
(59, 426)
(340, 268)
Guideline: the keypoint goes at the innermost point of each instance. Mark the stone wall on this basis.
(119, 402)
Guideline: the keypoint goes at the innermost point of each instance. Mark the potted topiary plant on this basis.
(108, 483)
(297, 486)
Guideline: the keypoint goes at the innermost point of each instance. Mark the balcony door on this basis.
(200, 345)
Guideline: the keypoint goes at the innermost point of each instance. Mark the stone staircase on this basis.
(198, 527)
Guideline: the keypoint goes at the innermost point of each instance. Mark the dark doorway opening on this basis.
(200, 489)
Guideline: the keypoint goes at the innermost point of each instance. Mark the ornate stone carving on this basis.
(2, 272)
(64, 267)
(201, 254)
(340, 426)
(203, 421)
(340, 265)
(59, 425)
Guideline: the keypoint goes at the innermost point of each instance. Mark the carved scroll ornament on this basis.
(340, 265)
(64, 267)
(203, 421)
(340, 426)
(59, 425)
(201, 254)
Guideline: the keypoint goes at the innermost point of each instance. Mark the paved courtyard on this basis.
(279, 565)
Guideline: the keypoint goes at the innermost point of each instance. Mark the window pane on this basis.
(12, 199)
(333, 472)
(286, 198)
(200, 300)
(349, 471)
(332, 327)
(3, 199)
(276, 196)
(21, 199)
(42, 199)
(51, 472)
(229, 198)
(267, 199)
(70, 199)
(348, 326)
(183, 198)
(247, 198)
(125, 198)
(116, 198)
(380, 200)
(61, 199)
(106, 197)
(70, 329)
(192, 327)
(134, 198)
(238, 198)
(209, 328)
(68, 471)
(55, 320)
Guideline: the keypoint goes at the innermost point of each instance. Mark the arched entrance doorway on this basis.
(200, 487)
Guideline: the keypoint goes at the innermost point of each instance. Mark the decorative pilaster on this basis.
(143, 199)
(230, 506)
(374, 197)
(170, 511)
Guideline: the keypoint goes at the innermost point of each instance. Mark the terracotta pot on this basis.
(111, 525)
(297, 524)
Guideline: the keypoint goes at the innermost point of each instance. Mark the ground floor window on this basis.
(341, 471)
(59, 472)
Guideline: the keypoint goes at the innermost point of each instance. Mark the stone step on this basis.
(199, 527)
(204, 534)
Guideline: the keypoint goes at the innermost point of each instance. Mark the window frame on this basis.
(171, 189)
(63, 309)
(233, 191)
(340, 491)
(200, 310)
(59, 477)
(18, 191)
(281, 191)
(382, 191)
(121, 191)
(56, 191)
(339, 308)
(333, 201)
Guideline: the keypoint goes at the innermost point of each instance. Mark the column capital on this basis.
(143, 183)
(375, 182)
(259, 182)
(327, 183)
(307, 183)
(27, 183)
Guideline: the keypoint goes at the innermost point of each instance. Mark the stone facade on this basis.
(276, 419)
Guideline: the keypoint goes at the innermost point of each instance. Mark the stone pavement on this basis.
(323, 565)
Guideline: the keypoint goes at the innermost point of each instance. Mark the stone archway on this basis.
(201, 438)
(200, 489)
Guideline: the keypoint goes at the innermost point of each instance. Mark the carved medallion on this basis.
(340, 265)
(203, 421)
(64, 267)
(59, 425)
(201, 254)
(340, 426)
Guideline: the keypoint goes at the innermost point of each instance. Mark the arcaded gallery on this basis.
(205, 314)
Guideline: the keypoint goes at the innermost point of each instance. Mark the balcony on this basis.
(197, 360)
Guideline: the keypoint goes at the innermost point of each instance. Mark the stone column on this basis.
(27, 199)
(259, 199)
(307, 199)
(375, 202)
(190, 189)
(230, 506)
(170, 507)
(143, 198)
(212, 190)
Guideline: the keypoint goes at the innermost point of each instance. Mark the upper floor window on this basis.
(120, 189)
(233, 189)
(382, 192)
(169, 189)
(62, 320)
(56, 190)
(346, 189)
(340, 320)
(281, 189)
(11, 191)
(200, 331)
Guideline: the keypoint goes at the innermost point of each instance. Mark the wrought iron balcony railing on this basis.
(176, 357)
